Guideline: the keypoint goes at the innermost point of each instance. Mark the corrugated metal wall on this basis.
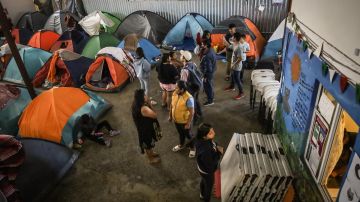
(214, 10)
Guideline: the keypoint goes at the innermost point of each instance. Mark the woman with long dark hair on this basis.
(145, 117)
(167, 75)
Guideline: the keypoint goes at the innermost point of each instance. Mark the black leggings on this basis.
(99, 138)
(103, 124)
(206, 185)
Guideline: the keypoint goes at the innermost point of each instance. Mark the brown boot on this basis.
(154, 154)
(151, 158)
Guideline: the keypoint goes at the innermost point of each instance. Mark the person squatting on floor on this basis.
(167, 75)
(236, 66)
(143, 69)
(208, 155)
(182, 113)
(193, 80)
(92, 130)
(144, 118)
(208, 68)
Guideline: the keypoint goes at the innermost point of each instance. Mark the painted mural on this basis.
(301, 76)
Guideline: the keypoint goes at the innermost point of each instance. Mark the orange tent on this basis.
(46, 116)
(243, 25)
(53, 114)
(106, 74)
(43, 39)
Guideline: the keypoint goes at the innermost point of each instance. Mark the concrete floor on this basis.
(122, 173)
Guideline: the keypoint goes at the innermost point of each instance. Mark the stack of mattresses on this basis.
(254, 168)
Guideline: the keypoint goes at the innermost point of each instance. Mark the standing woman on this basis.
(167, 75)
(207, 156)
(145, 117)
(142, 69)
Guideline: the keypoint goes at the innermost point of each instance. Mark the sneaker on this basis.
(238, 97)
(201, 197)
(228, 89)
(192, 154)
(108, 143)
(114, 132)
(153, 102)
(177, 148)
(208, 104)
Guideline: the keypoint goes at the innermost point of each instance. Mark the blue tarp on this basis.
(150, 50)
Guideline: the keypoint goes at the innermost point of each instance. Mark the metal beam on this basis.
(5, 28)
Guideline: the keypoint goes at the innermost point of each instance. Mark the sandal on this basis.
(177, 148)
(192, 153)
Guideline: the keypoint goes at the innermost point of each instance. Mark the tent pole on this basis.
(5, 28)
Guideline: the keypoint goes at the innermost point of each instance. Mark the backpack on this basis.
(194, 81)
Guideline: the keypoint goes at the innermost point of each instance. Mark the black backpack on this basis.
(194, 81)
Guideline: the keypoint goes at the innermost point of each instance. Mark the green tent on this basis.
(33, 59)
(115, 20)
(99, 42)
(10, 114)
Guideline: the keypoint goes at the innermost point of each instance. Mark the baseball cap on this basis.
(186, 54)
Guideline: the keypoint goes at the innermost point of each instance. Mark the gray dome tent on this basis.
(145, 24)
(32, 21)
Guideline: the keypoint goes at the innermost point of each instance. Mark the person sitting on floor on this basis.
(93, 131)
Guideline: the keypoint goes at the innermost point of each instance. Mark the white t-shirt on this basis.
(235, 55)
(244, 48)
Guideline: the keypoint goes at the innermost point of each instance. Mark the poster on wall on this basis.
(316, 148)
(326, 107)
(351, 188)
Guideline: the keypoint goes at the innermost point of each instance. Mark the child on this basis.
(244, 46)
(236, 66)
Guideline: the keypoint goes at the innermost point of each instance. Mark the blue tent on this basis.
(33, 59)
(150, 50)
(183, 35)
(10, 113)
(274, 43)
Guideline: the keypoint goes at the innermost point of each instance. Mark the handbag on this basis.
(157, 130)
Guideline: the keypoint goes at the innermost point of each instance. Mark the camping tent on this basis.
(245, 26)
(131, 42)
(32, 21)
(274, 44)
(97, 20)
(183, 35)
(145, 24)
(65, 68)
(52, 115)
(13, 101)
(73, 40)
(98, 42)
(44, 166)
(122, 56)
(61, 21)
(50, 6)
(106, 74)
(33, 59)
(43, 39)
(21, 36)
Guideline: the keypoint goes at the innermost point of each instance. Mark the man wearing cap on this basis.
(189, 67)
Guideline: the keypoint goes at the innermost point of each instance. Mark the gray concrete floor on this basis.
(122, 173)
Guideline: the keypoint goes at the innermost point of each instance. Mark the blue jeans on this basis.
(235, 79)
(209, 88)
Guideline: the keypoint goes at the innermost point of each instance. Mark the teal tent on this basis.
(33, 59)
(13, 101)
